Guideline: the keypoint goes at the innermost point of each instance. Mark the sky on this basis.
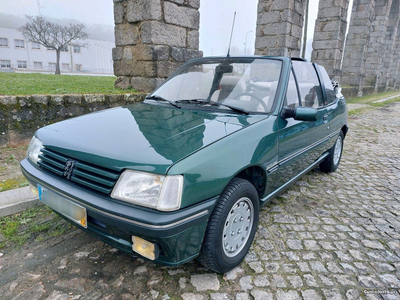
(88, 11)
(215, 19)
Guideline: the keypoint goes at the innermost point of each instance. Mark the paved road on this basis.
(329, 237)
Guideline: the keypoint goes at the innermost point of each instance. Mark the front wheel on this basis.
(231, 227)
(331, 162)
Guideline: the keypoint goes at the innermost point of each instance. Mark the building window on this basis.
(21, 64)
(65, 67)
(49, 49)
(19, 44)
(78, 67)
(52, 66)
(64, 48)
(5, 63)
(77, 49)
(37, 65)
(35, 46)
(3, 42)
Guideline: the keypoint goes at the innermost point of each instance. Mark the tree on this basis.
(54, 36)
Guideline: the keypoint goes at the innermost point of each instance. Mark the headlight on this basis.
(34, 149)
(150, 190)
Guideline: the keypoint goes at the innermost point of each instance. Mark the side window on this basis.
(310, 89)
(292, 97)
(330, 93)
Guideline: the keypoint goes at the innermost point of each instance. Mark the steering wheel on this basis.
(253, 96)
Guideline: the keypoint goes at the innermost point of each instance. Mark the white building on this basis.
(19, 55)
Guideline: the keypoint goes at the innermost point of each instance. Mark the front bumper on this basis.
(179, 234)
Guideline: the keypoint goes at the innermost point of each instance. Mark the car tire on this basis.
(332, 161)
(231, 227)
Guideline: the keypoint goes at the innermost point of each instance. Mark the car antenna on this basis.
(233, 25)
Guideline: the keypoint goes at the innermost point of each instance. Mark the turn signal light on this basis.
(34, 190)
(145, 248)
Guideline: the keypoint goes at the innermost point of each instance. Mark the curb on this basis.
(18, 200)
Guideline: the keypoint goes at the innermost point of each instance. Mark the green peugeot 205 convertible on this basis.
(184, 173)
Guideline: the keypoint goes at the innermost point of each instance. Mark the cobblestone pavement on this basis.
(331, 236)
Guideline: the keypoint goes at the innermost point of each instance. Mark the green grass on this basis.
(11, 228)
(34, 83)
(380, 104)
(39, 223)
(13, 183)
(371, 98)
(368, 101)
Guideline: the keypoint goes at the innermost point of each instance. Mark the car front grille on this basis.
(84, 174)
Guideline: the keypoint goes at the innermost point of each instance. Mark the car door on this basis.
(299, 141)
(334, 107)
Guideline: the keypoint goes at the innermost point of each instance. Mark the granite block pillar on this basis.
(389, 54)
(279, 27)
(329, 35)
(394, 74)
(353, 70)
(153, 38)
(378, 45)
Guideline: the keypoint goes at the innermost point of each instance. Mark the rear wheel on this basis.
(231, 227)
(331, 162)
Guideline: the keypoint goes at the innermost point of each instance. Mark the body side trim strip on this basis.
(323, 156)
(286, 159)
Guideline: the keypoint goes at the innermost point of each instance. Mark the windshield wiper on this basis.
(193, 101)
(238, 109)
(158, 98)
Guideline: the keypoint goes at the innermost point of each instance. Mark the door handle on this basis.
(325, 118)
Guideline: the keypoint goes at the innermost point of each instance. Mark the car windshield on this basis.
(248, 84)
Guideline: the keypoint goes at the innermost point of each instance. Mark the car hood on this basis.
(143, 136)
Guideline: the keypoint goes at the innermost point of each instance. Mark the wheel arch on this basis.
(256, 176)
(344, 129)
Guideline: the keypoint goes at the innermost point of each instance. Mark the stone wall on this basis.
(279, 27)
(21, 116)
(153, 38)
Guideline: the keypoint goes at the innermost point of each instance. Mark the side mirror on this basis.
(337, 88)
(299, 113)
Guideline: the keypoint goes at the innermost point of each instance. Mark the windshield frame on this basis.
(234, 59)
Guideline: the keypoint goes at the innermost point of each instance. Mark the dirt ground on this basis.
(10, 172)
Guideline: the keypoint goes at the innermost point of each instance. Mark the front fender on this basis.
(208, 171)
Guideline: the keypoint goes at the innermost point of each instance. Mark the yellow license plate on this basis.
(62, 205)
